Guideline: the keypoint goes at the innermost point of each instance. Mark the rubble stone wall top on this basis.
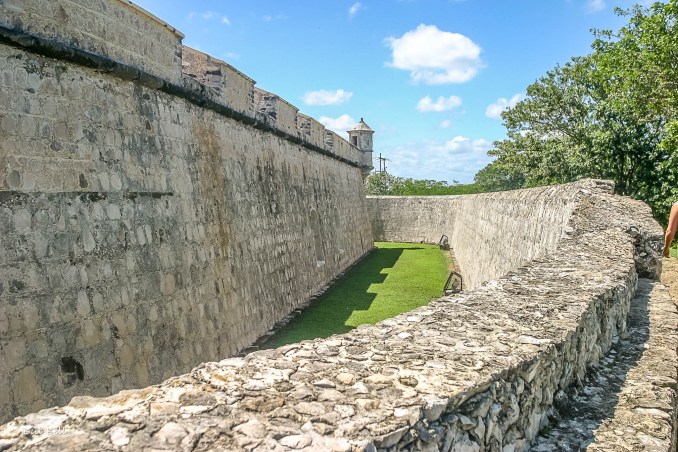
(510, 229)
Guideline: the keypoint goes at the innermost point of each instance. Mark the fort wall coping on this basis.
(342, 148)
(275, 111)
(312, 131)
(474, 371)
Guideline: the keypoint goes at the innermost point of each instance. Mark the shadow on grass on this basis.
(330, 313)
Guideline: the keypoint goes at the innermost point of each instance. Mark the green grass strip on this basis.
(395, 278)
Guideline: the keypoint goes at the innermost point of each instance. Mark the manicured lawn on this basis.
(395, 278)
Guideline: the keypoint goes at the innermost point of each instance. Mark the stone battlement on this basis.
(118, 37)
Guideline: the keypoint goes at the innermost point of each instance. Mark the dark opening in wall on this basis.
(73, 370)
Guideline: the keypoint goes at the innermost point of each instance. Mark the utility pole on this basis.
(382, 166)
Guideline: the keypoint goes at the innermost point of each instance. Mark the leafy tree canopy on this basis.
(611, 114)
(388, 184)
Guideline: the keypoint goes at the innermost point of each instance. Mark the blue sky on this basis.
(429, 76)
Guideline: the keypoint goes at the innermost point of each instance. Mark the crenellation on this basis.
(275, 112)
(126, 53)
(310, 130)
(236, 90)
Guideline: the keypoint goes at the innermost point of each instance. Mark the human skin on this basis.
(671, 229)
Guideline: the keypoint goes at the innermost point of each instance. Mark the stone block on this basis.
(25, 387)
(14, 353)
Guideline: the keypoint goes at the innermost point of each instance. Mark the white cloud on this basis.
(446, 124)
(209, 15)
(435, 57)
(269, 18)
(340, 124)
(495, 109)
(353, 10)
(324, 97)
(457, 159)
(595, 5)
(441, 104)
(463, 145)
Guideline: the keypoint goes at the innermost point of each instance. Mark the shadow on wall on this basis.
(331, 313)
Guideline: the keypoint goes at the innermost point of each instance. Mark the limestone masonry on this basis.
(158, 213)
(150, 220)
(482, 370)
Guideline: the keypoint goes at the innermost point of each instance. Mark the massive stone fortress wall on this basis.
(150, 220)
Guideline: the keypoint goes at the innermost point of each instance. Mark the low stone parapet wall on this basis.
(477, 371)
(628, 402)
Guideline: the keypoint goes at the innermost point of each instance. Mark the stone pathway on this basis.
(629, 401)
(670, 276)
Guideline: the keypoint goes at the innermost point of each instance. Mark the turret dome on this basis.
(362, 126)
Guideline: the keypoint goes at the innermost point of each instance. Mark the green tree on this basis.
(641, 63)
(387, 184)
(611, 114)
(499, 177)
(383, 184)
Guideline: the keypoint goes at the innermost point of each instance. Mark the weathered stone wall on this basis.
(490, 233)
(145, 225)
(476, 371)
